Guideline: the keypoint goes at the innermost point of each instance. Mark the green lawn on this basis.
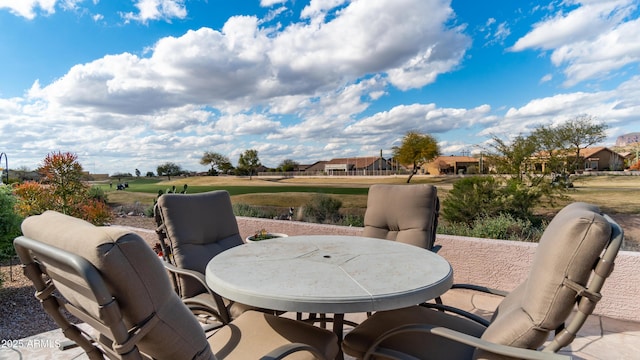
(615, 194)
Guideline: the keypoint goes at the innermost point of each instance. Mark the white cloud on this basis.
(157, 10)
(615, 108)
(546, 78)
(244, 66)
(497, 35)
(27, 8)
(317, 9)
(374, 36)
(246, 124)
(421, 117)
(590, 41)
(267, 3)
(307, 88)
(502, 32)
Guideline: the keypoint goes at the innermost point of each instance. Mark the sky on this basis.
(129, 85)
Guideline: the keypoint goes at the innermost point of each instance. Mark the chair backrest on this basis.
(197, 227)
(405, 213)
(111, 279)
(574, 257)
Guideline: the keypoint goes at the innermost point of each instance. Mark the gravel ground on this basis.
(23, 316)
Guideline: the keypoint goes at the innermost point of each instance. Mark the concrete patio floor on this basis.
(600, 338)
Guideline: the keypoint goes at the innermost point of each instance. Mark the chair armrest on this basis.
(483, 289)
(480, 320)
(457, 336)
(222, 309)
(191, 273)
(285, 350)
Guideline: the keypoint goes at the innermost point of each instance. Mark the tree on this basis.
(580, 133)
(249, 161)
(549, 146)
(218, 162)
(288, 165)
(416, 149)
(61, 189)
(169, 169)
(63, 173)
(511, 158)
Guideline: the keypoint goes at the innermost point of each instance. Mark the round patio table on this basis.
(329, 274)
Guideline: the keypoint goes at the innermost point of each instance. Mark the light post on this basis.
(6, 167)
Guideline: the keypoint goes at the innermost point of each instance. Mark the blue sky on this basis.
(133, 84)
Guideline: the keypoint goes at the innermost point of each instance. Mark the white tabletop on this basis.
(329, 274)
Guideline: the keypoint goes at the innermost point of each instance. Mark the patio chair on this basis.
(574, 257)
(405, 213)
(192, 229)
(112, 280)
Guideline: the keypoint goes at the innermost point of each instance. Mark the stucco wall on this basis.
(498, 264)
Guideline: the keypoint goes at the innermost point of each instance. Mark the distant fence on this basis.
(404, 172)
(333, 173)
(614, 173)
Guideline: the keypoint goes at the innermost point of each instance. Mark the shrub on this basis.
(95, 212)
(33, 199)
(247, 210)
(502, 227)
(63, 190)
(478, 197)
(322, 209)
(519, 199)
(352, 220)
(96, 193)
(9, 222)
(472, 198)
(148, 212)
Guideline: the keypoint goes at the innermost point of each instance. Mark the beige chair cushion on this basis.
(134, 275)
(420, 345)
(568, 249)
(252, 335)
(198, 227)
(405, 213)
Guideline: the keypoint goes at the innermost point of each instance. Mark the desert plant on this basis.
(322, 209)
(352, 220)
(478, 197)
(519, 199)
(242, 209)
(33, 198)
(9, 222)
(98, 194)
(471, 198)
(502, 227)
(62, 189)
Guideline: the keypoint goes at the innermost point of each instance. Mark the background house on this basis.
(601, 159)
(591, 159)
(453, 165)
(357, 165)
